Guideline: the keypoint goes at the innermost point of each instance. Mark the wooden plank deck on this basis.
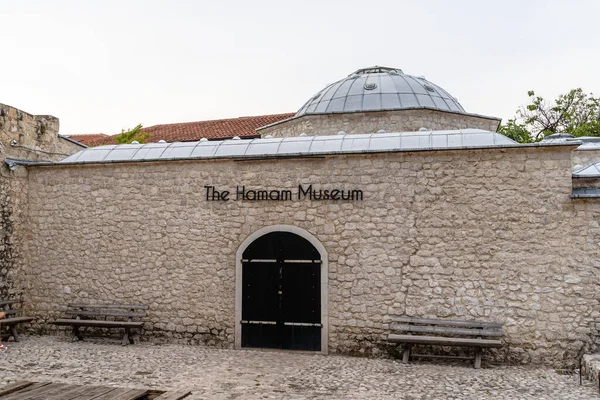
(63, 391)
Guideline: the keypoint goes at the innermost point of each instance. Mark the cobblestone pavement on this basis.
(230, 374)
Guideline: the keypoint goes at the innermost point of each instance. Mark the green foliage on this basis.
(575, 113)
(131, 135)
(515, 131)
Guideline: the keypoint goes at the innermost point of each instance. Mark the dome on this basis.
(379, 89)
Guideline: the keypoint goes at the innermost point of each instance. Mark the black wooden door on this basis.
(281, 294)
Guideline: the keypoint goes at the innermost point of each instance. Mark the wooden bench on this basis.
(104, 316)
(13, 310)
(438, 332)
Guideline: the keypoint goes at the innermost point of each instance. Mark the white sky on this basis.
(101, 66)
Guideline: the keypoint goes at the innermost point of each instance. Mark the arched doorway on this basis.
(281, 291)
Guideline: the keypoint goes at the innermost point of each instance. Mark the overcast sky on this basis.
(102, 66)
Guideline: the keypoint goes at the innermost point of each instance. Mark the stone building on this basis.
(311, 238)
(23, 136)
(32, 137)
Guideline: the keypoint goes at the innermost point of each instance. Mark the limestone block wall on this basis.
(371, 122)
(472, 234)
(32, 137)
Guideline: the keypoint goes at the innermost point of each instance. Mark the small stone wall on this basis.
(371, 122)
(473, 234)
(32, 137)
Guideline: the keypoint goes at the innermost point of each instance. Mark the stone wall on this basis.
(13, 209)
(472, 234)
(371, 122)
(32, 137)
(26, 137)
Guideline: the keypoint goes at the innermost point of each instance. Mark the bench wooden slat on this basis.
(66, 393)
(443, 341)
(90, 392)
(98, 323)
(446, 330)
(123, 394)
(15, 320)
(174, 395)
(48, 391)
(114, 306)
(27, 391)
(8, 302)
(472, 324)
(132, 394)
(140, 314)
(77, 392)
(12, 311)
(413, 355)
(13, 387)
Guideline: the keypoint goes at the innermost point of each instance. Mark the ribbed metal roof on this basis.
(590, 171)
(558, 137)
(377, 89)
(587, 142)
(293, 146)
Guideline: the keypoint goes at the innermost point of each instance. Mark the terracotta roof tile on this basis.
(244, 127)
(86, 139)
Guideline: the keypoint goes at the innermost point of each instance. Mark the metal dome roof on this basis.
(377, 89)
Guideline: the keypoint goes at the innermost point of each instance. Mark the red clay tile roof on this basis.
(86, 139)
(244, 127)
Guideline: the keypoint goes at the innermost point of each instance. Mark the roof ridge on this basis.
(83, 134)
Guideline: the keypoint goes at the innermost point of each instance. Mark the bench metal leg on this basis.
(126, 338)
(406, 354)
(478, 355)
(75, 334)
(15, 334)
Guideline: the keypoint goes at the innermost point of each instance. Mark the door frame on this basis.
(324, 276)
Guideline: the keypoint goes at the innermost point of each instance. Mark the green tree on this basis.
(516, 131)
(575, 113)
(132, 134)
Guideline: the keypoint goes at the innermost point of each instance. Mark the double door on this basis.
(281, 299)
